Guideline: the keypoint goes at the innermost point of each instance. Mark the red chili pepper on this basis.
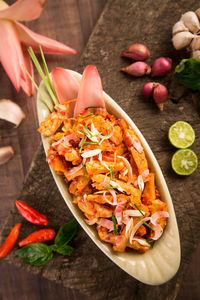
(10, 241)
(39, 236)
(30, 214)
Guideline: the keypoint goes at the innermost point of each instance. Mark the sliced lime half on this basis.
(184, 161)
(181, 135)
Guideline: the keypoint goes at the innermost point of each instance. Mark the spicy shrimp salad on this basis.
(104, 165)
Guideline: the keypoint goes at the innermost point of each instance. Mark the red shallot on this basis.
(5, 154)
(156, 91)
(161, 66)
(136, 51)
(137, 69)
(160, 95)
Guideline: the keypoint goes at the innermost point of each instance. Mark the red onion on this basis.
(156, 91)
(148, 90)
(161, 66)
(137, 69)
(160, 94)
(137, 52)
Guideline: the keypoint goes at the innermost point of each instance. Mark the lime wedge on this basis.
(184, 161)
(181, 135)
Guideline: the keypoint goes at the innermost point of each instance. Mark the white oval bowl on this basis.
(161, 262)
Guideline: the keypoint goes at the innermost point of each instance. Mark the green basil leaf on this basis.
(65, 250)
(66, 233)
(36, 254)
(188, 73)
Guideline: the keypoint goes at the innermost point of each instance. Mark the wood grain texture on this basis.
(122, 23)
(70, 22)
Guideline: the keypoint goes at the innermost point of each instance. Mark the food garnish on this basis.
(137, 69)
(38, 254)
(106, 169)
(181, 134)
(157, 92)
(186, 33)
(30, 214)
(161, 66)
(184, 162)
(15, 38)
(10, 241)
(136, 51)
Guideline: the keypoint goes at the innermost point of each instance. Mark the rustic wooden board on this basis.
(88, 270)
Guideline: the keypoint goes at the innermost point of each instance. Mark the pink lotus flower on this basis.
(16, 38)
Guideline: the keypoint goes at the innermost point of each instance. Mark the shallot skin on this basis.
(137, 69)
(161, 66)
(136, 51)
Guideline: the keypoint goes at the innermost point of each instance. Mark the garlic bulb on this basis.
(186, 33)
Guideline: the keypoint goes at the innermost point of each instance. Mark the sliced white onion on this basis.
(158, 215)
(11, 112)
(129, 227)
(103, 163)
(103, 137)
(117, 186)
(126, 219)
(158, 231)
(137, 226)
(94, 132)
(65, 139)
(133, 213)
(137, 146)
(129, 168)
(76, 169)
(91, 153)
(140, 183)
(5, 154)
(141, 242)
(85, 197)
(114, 197)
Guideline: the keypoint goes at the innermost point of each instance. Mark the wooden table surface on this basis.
(79, 19)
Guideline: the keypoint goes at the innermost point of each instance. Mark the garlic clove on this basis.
(182, 40)
(191, 21)
(197, 12)
(179, 27)
(195, 45)
(195, 54)
(5, 154)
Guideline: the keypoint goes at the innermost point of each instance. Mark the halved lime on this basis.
(181, 135)
(184, 161)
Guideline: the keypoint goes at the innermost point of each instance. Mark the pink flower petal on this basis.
(34, 40)
(23, 10)
(66, 87)
(11, 55)
(90, 92)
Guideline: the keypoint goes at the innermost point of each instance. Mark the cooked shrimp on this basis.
(51, 124)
